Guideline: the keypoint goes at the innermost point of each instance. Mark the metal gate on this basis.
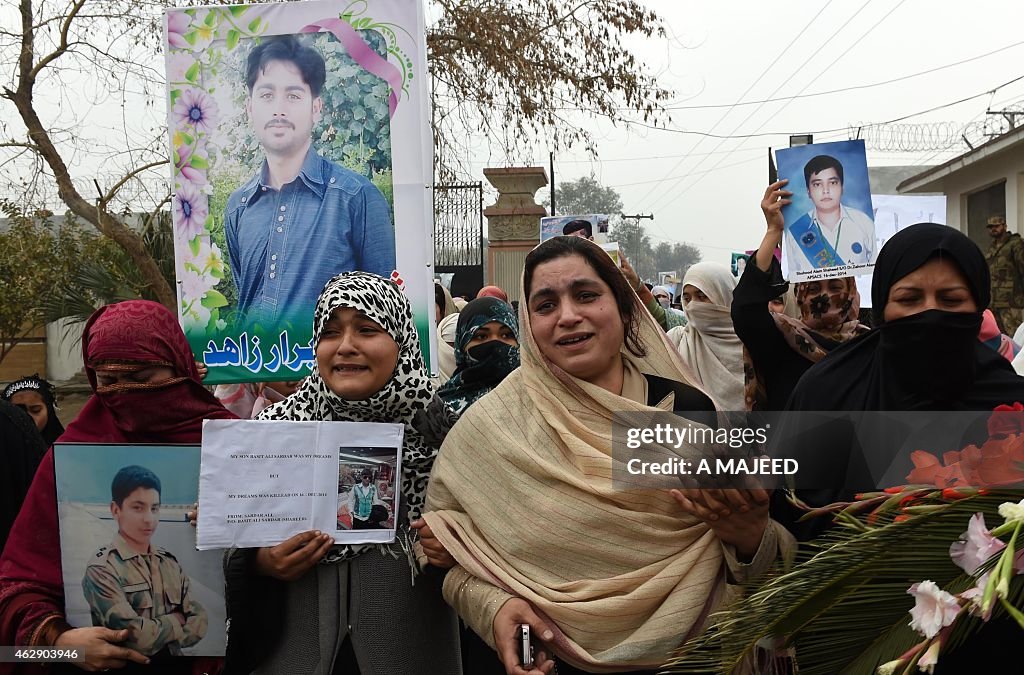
(459, 236)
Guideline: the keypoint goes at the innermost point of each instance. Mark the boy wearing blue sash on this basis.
(830, 234)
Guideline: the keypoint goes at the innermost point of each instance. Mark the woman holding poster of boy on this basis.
(146, 389)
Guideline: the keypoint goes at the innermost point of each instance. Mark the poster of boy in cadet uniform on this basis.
(128, 552)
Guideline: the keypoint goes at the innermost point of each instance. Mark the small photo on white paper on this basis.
(367, 488)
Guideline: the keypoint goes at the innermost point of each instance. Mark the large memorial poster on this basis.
(830, 229)
(128, 553)
(301, 149)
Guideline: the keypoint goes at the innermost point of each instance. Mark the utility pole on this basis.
(551, 165)
(637, 217)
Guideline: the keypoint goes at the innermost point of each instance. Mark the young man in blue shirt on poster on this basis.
(830, 234)
(302, 219)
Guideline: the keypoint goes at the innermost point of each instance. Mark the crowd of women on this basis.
(508, 511)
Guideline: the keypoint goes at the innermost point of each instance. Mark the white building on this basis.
(987, 181)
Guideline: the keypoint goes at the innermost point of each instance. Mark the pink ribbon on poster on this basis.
(363, 55)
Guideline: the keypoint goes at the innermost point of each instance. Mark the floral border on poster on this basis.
(198, 40)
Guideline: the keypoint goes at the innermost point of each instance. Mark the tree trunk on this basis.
(107, 223)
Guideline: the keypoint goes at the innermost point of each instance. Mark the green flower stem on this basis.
(1001, 573)
(1017, 615)
(1004, 529)
(226, 16)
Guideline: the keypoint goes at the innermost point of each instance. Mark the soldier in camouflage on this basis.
(1006, 263)
(132, 584)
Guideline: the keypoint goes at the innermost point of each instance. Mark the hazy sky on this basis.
(707, 190)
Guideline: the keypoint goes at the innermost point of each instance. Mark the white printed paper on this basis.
(263, 481)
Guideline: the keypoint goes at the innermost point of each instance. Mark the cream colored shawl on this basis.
(708, 342)
(521, 495)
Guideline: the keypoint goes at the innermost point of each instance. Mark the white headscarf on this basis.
(708, 343)
(445, 352)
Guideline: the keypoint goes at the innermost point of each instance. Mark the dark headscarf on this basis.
(927, 361)
(53, 429)
(482, 367)
(21, 447)
(912, 247)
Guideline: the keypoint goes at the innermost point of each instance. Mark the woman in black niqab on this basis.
(923, 360)
(21, 450)
(928, 360)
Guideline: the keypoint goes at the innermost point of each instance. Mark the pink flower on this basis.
(178, 64)
(190, 210)
(928, 660)
(193, 286)
(177, 24)
(975, 546)
(975, 595)
(196, 108)
(197, 177)
(934, 608)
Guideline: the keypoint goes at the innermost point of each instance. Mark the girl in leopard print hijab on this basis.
(368, 369)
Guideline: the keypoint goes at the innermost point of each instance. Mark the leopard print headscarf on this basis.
(404, 399)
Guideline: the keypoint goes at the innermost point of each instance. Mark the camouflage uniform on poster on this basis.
(145, 593)
(1005, 258)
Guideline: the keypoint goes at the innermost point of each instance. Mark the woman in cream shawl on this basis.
(708, 343)
(521, 494)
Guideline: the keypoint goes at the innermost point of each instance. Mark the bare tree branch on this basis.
(131, 174)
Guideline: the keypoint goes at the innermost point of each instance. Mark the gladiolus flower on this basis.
(975, 546)
(890, 667)
(930, 658)
(975, 595)
(1013, 513)
(934, 608)
(1006, 420)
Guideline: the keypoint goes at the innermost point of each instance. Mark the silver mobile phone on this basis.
(525, 649)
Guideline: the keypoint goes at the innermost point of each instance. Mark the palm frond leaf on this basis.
(845, 606)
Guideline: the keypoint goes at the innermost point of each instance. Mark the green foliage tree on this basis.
(586, 195)
(675, 257)
(635, 244)
(35, 260)
(104, 273)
